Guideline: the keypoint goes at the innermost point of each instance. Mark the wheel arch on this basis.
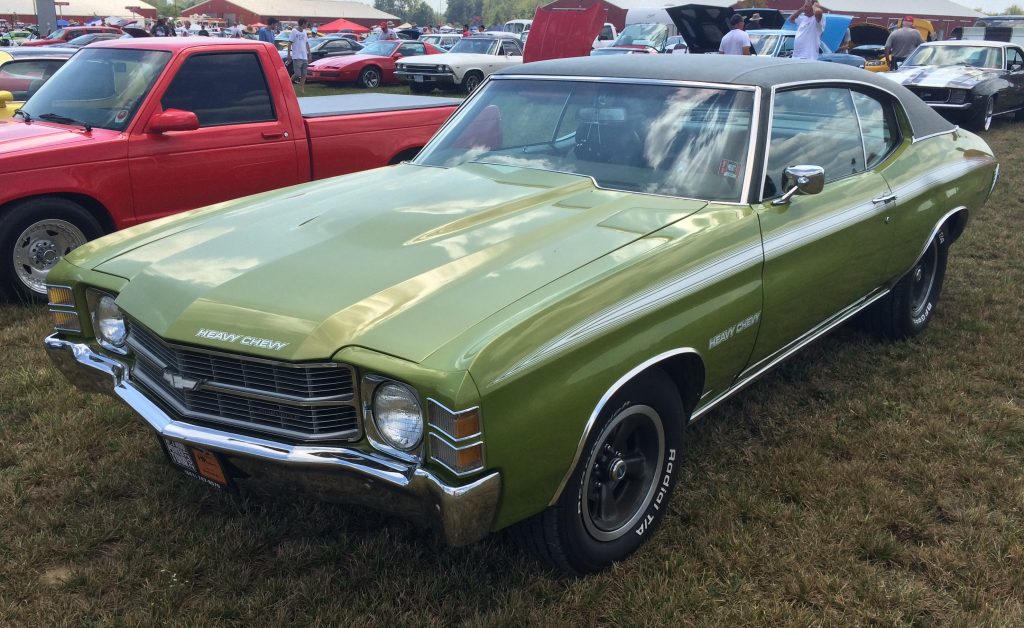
(90, 204)
(684, 366)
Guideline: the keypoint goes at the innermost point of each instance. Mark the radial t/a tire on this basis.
(908, 309)
(619, 491)
(36, 234)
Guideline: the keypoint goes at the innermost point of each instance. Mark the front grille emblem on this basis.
(178, 382)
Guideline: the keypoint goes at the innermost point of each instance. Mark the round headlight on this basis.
(440, 68)
(397, 414)
(110, 321)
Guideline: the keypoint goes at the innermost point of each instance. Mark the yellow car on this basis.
(23, 71)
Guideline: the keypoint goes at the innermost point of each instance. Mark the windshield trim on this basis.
(755, 126)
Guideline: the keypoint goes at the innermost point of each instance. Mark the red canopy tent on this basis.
(341, 24)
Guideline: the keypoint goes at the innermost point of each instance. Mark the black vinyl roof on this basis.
(753, 71)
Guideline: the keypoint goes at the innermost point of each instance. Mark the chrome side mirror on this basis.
(803, 179)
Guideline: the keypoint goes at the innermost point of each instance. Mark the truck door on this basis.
(243, 145)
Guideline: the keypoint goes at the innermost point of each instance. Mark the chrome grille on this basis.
(299, 401)
(411, 67)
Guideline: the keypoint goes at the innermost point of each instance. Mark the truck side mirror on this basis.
(5, 97)
(173, 120)
(804, 179)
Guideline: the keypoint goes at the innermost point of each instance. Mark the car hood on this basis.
(955, 76)
(400, 263)
(340, 62)
(454, 59)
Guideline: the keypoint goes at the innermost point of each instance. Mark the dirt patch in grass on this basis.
(862, 483)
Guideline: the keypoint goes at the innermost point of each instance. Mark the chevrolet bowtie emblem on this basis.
(178, 382)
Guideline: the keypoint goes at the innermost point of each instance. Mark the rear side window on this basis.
(813, 127)
(22, 77)
(223, 88)
(509, 48)
(878, 125)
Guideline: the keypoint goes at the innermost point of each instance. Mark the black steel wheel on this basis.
(908, 309)
(619, 491)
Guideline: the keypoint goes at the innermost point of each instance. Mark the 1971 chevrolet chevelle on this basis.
(516, 327)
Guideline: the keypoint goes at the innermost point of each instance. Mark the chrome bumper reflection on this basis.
(463, 514)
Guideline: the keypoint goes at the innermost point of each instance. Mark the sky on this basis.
(989, 6)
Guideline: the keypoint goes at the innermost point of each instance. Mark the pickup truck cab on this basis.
(132, 130)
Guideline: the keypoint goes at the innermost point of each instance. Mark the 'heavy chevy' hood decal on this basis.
(400, 263)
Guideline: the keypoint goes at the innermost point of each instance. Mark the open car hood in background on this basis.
(868, 35)
(702, 25)
(770, 18)
(563, 33)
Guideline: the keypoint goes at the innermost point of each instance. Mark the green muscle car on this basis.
(515, 327)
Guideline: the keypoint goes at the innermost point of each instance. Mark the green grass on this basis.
(862, 483)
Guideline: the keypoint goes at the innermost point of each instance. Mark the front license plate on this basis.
(197, 463)
(417, 78)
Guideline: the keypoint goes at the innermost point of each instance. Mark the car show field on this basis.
(861, 482)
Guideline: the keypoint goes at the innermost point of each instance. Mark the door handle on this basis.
(883, 200)
(273, 135)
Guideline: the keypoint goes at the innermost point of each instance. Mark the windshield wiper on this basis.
(24, 114)
(56, 117)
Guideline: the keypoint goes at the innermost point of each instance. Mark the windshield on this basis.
(380, 48)
(653, 35)
(977, 56)
(764, 44)
(658, 139)
(57, 34)
(101, 87)
(473, 46)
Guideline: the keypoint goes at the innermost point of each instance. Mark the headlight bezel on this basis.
(99, 300)
(378, 433)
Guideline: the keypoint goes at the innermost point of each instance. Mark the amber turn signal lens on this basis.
(457, 425)
(65, 321)
(459, 460)
(60, 295)
(470, 457)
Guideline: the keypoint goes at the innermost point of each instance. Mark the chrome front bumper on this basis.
(463, 514)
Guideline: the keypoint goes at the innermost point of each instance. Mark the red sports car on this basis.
(372, 67)
(69, 33)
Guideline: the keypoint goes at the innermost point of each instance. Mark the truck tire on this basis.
(471, 81)
(369, 78)
(34, 236)
(619, 491)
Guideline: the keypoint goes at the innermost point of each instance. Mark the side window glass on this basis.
(221, 89)
(813, 127)
(787, 47)
(878, 125)
(509, 48)
(1013, 56)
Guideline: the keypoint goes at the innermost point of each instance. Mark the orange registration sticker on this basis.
(209, 467)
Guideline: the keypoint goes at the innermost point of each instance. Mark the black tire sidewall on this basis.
(471, 82)
(913, 326)
(585, 553)
(18, 218)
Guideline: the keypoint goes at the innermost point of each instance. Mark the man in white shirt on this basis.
(736, 41)
(298, 53)
(810, 24)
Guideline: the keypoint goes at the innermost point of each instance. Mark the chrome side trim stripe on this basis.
(641, 304)
(753, 373)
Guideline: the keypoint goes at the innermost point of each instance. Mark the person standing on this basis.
(160, 29)
(810, 24)
(267, 33)
(736, 41)
(902, 43)
(298, 53)
(389, 31)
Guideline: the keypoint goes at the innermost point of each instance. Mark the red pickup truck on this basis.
(132, 130)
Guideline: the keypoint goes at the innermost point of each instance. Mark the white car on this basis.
(441, 40)
(468, 63)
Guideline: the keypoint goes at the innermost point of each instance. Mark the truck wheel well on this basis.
(91, 205)
(405, 155)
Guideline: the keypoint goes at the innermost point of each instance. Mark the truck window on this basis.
(221, 89)
(19, 77)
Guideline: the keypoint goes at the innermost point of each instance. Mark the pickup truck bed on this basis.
(321, 106)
